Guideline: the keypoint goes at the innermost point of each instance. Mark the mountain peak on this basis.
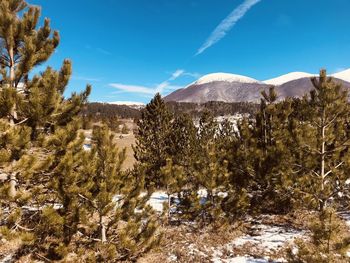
(344, 75)
(288, 77)
(227, 77)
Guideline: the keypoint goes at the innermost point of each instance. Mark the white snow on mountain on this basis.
(288, 77)
(127, 103)
(343, 75)
(280, 80)
(224, 77)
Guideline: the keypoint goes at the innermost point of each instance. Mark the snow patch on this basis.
(127, 103)
(269, 238)
(343, 75)
(288, 77)
(157, 200)
(244, 259)
(224, 77)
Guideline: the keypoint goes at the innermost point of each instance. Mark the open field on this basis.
(126, 141)
(122, 141)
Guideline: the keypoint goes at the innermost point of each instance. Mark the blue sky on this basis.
(129, 49)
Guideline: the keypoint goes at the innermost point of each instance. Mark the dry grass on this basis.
(126, 141)
(9, 247)
(187, 244)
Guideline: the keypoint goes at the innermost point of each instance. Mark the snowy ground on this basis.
(262, 239)
(265, 240)
(262, 245)
(262, 242)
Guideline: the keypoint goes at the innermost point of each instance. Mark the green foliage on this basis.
(152, 146)
(40, 148)
(125, 227)
(329, 242)
(321, 143)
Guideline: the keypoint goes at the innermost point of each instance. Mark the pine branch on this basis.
(335, 167)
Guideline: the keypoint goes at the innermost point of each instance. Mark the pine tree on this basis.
(210, 174)
(321, 142)
(62, 195)
(30, 111)
(179, 172)
(152, 141)
(125, 226)
(232, 155)
(39, 103)
(106, 174)
(272, 153)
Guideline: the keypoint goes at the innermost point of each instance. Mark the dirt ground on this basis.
(126, 141)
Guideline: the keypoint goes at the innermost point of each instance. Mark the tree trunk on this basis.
(12, 84)
(12, 67)
(13, 183)
(169, 203)
(13, 117)
(323, 150)
(103, 229)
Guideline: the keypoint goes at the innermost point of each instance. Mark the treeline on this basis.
(292, 155)
(106, 112)
(99, 111)
(217, 108)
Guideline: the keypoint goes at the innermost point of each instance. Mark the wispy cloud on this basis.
(178, 73)
(227, 24)
(161, 87)
(133, 88)
(143, 89)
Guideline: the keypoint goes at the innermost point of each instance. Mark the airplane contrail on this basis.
(227, 24)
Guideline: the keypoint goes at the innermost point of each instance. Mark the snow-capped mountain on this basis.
(236, 88)
(288, 77)
(220, 87)
(343, 75)
(216, 77)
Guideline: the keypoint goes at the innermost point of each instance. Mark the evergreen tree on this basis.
(233, 155)
(61, 196)
(39, 103)
(106, 174)
(179, 171)
(126, 227)
(31, 110)
(152, 141)
(272, 154)
(321, 142)
(210, 174)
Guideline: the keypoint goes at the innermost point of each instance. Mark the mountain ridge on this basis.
(228, 87)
